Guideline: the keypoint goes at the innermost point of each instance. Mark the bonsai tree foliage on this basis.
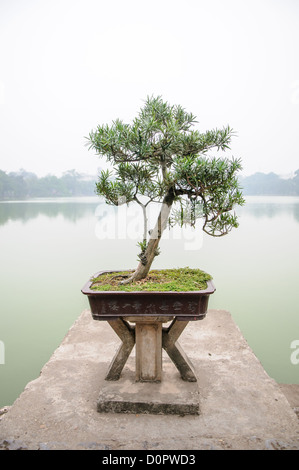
(161, 158)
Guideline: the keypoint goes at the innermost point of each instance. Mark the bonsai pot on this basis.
(148, 310)
(108, 305)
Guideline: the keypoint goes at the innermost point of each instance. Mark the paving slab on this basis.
(241, 407)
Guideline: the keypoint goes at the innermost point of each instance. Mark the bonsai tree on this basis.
(161, 158)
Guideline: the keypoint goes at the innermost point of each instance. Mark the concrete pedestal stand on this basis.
(137, 318)
(150, 388)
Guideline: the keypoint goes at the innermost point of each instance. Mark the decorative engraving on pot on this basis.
(128, 306)
(136, 305)
(192, 306)
(177, 306)
(164, 307)
(151, 310)
(113, 305)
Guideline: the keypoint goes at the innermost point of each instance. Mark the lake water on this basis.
(50, 248)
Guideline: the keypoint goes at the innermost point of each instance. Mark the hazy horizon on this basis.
(70, 65)
(290, 174)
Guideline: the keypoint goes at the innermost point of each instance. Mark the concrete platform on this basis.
(241, 407)
(171, 396)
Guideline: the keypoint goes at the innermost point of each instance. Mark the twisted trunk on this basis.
(144, 266)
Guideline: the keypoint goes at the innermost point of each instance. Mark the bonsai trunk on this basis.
(151, 250)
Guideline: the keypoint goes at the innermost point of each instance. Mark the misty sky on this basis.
(68, 65)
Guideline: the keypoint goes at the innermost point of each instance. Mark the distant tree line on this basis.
(271, 184)
(24, 185)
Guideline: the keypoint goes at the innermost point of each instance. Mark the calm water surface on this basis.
(49, 249)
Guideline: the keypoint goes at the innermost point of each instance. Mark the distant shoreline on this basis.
(270, 184)
(24, 186)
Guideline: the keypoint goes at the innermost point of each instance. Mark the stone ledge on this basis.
(4, 410)
(241, 407)
(291, 391)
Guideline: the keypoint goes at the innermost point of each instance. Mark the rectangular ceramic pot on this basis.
(109, 305)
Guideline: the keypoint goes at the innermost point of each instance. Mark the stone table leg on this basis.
(127, 334)
(150, 338)
(175, 352)
(148, 351)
